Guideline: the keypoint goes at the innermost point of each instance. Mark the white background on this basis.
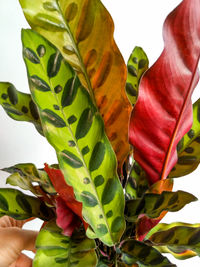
(137, 23)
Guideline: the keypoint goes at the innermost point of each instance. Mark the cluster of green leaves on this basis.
(73, 103)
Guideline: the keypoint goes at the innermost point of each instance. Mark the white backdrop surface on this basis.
(137, 23)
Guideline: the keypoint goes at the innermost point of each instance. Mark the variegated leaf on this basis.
(24, 175)
(152, 205)
(75, 129)
(83, 32)
(20, 206)
(180, 253)
(19, 106)
(134, 251)
(189, 147)
(57, 250)
(137, 183)
(137, 64)
(180, 238)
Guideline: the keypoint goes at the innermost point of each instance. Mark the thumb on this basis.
(12, 241)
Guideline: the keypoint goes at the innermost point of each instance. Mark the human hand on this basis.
(13, 240)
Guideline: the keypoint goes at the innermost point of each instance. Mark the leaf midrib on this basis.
(77, 51)
(168, 154)
(81, 155)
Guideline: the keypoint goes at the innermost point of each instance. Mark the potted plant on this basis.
(121, 134)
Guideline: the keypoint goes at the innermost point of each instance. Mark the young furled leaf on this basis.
(153, 204)
(163, 112)
(138, 63)
(75, 129)
(189, 147)
(134, 251)
(19, 106)
(57, 250)
(83, 31)
(66, 219)
(20, 206)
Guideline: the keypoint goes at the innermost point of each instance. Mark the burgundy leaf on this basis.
(66, 219)
(163, 113)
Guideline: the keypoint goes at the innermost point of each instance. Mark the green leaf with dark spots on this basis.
(53, 118)
(137, 64)
(23, 203)
(19, 206)
(134, 251)
(72, 27)
(3, 203)
(109, 191)
(88, 199)
(70, 91)
(182, 240)
(137, 183)
(152, 205)
(24, 175)
(54, 64)
(84, 123)
(71, 159)
(41, 50)
(97, 157)
(19, 106)
(31, 55)
(189, 147)
(76, 130)
(57, 250)
(39, 83)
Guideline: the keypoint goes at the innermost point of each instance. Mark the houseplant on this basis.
(88, 130)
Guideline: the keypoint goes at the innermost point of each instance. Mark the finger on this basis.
(26, 239)
(22, 261)
(7, 221)
(12, 241)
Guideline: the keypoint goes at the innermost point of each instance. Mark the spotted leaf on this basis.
(24, 175)
(19, 106)
(163, 112)
(55, 249)
(20, 206)
(189, 147)
(65, 191)
(85, 156)
(74, 27)
(180, 239)
(137, 183)
(134, 251)
(137, 64)
(153, 204)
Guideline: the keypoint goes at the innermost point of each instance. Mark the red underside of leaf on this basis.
(65, 191)
(144, 225)
(66, 219)
(163, 112)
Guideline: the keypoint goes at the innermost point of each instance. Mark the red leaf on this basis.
(65, 191)
(163, 113)
(66, 219)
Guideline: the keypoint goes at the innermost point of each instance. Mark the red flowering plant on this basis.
(121, 134)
